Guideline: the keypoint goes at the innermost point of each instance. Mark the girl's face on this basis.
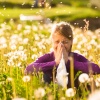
(57, 38)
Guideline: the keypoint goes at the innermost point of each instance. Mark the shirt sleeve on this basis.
(43, 63)
(84, 65)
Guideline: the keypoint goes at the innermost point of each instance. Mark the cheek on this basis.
(68, 46)
(54, 46)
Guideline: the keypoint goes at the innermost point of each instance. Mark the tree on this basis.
(95, 3)
(36, 3)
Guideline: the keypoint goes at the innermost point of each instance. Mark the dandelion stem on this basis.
(13, 87)
(92, 84)
(26, 91)
(4, 93)
(72, 72)
(54, 82)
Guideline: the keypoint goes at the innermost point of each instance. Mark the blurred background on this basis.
(73, 11)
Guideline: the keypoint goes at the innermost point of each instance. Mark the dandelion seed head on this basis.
(77, 51)
(25, 40)
(35, 28)
(89, 47)
(83, 78)
(79, 46)
(97, 81)
(19, 99)
(13, 47)
(62, 98)
(34, 56)
(3, 46)
(70, 92)
(19, 26)
(39, 93)
(2, 40)
(21, 48)
(94, 95)
(9, 79)
(26, 78)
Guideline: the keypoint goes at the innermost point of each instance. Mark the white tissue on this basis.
(62, 75)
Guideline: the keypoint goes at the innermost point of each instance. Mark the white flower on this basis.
(77, 51)
(93, 42)
(70, 92)
(18, 99)
(34, 49)
(26, 32)
(10, 63)
(75, 40)
(13, 47)
(50, 97)
(26, 78)
(89, 47)
(21, 48)
(27, 27)
(97, 81)
(90, 79)
(40, 92)
(91, 58)
(3, 40)
(35, 28)
(37, 37)
(79, 46)
(25, 41)
(3, 46)
(62, 98)
(83, 78)
(9, 79)
(94, 95)
(99, 63)
(34, 56)
(19, 26)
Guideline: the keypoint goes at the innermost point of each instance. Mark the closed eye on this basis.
(65, 42)
(56, 42)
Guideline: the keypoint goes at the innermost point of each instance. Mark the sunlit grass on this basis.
(20, 45)
(61, 13)
(18, 1)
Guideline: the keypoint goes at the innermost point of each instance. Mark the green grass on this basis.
(58, 13)
(66, 2)
(17, 1)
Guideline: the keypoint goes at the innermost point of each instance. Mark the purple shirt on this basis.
(47, 62)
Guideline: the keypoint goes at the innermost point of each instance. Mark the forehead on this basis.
(58, 36)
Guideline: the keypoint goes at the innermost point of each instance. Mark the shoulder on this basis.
(50, 54)
(75, 54)
(78, 56)
(47, 57)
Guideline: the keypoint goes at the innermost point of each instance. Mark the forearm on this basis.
(40, 66)
(86, 66)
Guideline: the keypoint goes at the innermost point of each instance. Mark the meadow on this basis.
(20, 45)
(22, 42)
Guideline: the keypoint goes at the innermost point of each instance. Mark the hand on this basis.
(65, 54)
(58, 53)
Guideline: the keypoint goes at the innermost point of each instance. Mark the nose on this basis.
(62, 42)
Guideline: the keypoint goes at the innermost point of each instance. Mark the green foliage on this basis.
(5, 87)
(77, 3)
(14, 5)
(66, 13)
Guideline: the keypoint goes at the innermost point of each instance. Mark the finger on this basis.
(59, 49)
